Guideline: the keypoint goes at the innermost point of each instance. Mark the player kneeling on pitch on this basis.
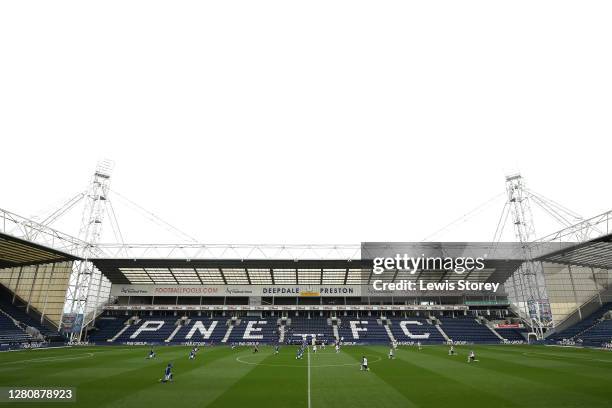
(364, 364)
(472, 356)
(167, 374)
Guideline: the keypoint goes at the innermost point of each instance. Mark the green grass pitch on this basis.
(505, 376)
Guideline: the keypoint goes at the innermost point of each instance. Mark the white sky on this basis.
(306, 122)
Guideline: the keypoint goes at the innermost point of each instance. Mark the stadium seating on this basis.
(415, 329)
(301, 326)
(252, 329)
(467, 329)
(511, 334)
(202, 330)
(362, 330)
(590, 330)
(106, 328)
(18, 312)
(599, 334)
(10, 332)
(197, 329)
(150, 329)
(255, 330)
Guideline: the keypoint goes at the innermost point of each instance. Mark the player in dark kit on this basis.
(167, 374)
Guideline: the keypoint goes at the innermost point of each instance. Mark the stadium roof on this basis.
(18, 252)
(596, 253)
(277, 272)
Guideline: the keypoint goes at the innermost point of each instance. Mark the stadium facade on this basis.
(56, 287)
(270, 294)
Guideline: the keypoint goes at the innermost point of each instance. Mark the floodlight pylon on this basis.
(530, 290)
(84, 275)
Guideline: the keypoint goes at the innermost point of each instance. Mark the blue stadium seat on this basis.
(467, 329)
(412, 329)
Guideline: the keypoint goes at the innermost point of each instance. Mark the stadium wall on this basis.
(42, 286)
(571, 287)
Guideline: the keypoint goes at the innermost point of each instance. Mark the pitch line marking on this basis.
(566, 358)
(50, 358)
(238, 359)
(308, 353)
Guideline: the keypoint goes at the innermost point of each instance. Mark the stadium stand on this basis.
(31, 318)
(10, 332)
(594, 330)
(199, 329)
(253, 329)
(150, 329)
(415, 329)
(106, 328)
(318, 326)
(599, 334)
(366, 330)
(512, 334)
(467, 329)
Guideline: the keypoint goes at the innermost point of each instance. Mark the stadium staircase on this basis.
(335, 330)
(443, 333)
(10, 331)
(126, 325)
(317, 327)
(281, 333)
(389, 332)
(598, 335)
(512, 334)
(228, 332)
(481, 320)
(106, 327)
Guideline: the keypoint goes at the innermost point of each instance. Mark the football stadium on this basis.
(428, 324)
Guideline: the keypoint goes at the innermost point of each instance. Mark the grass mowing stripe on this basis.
(522, 384)
(549, 377)
(506, 376)
(268, 385)
(338, 382)
(137, 379)
(409, 374)
(210, 376)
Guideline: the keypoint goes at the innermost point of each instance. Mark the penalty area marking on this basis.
(566, 358)
(50, 358)
(238, 359)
